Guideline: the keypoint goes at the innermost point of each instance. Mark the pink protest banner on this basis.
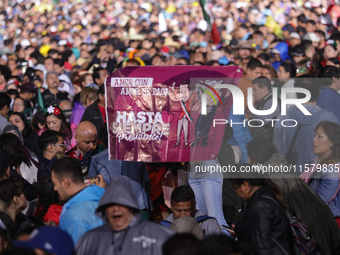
(156, 114)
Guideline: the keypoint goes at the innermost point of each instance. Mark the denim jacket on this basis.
(135, 171)
(325, 184)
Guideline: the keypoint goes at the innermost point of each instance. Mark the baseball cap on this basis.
(289, 28)
(53, 240)
(323, 20)
(311, 37)
(294, 35)
(298, 51)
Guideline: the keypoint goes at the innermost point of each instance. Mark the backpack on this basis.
(199, 219)
(303, 243)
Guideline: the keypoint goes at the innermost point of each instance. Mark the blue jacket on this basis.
(283, 49)
(135, 171)
(303, 147)
(329, 100)
(241, 134)
(78, 214)
(325, 184)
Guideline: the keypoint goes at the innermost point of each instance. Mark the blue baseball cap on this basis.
(53, 240)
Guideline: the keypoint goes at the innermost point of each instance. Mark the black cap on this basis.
(298, 51)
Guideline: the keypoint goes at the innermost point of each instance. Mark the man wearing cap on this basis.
(48, 240)
(123, 232)
(314, 38)
(294, 39)
(77, 216)
(52, 96)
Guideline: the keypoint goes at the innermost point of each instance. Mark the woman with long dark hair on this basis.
(11, 193)
(49, 206)
(55, 120)
(18, 158)
(30, 138)
(325, 178)
(262, 224)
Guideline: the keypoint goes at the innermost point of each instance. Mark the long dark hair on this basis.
(46, 195)
(332, 130)
(257, 179)
(27, 130)
(65, 128)
(11, 144)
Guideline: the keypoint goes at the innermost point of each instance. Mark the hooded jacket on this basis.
(283, 49)
(303, 147)
(78, 214)
(140, 237)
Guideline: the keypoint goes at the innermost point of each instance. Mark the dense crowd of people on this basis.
(60, 193)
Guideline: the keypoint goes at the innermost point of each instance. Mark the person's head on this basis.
(50, 143)
(55, 120)
(269, 72)
(326, 143)
(67, 177)
(261, 87)
(331, 75)
(52, 80)
(184, 91)
(245, 184)
(88, 96)
(101, 95)
(330, 51)
(18, 104)
(5, 102)
(19, 119)
(38, 121)
(66, 105)
(86, 79)
(311, 85)
(49, 64)
(86, 136)
(11, 144)
(264, 58)
(118, 210)
(286, 71)
(310, 26)
(180, 244)
(258, 38)
(183, 202)
(46, 195)
(254, 68)
(4, 166)
(12, 193)
(260, 151)
(99, 75)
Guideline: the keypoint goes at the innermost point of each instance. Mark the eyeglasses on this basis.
(59, 144)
